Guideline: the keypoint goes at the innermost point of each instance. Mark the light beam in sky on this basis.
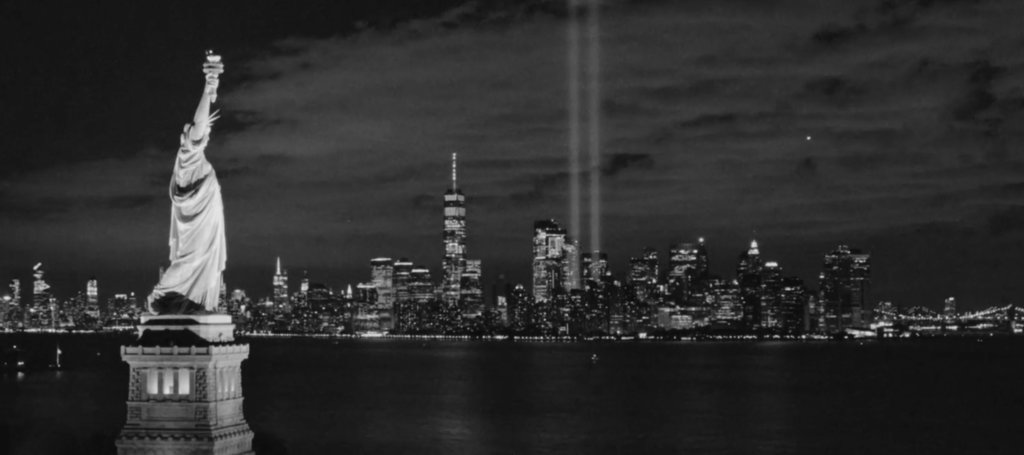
(573, 61)
(594, 123)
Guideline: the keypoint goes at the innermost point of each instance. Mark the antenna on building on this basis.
(454, 173)
(278, 265)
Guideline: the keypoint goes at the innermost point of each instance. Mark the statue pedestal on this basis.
(185, 388)
(215, 327)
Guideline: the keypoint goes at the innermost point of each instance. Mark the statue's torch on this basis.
(212, 68)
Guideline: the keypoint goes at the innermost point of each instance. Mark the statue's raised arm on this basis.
(198, 247)
(203, 120)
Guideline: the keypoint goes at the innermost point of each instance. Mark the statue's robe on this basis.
(197, 241)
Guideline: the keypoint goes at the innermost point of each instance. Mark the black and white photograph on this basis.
(512, 227)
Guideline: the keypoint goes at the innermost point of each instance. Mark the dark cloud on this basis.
(130, 202)
(835, 34)
(424, 200)
(618, 162)
(540, 186)
(807, 167)
(1006, 221)
(706, 120)
(978, 97)
(834, 90)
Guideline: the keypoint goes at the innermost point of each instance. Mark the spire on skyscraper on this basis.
(278, 271)
(454, 173)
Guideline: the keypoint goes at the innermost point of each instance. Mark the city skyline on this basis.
(890, 127)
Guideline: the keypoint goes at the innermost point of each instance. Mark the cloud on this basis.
(619, 162)
(1006, 220)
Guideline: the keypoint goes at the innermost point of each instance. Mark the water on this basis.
(389, 397)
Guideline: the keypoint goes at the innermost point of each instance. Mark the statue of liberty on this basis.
(192, 281)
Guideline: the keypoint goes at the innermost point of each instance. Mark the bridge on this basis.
(1005, 319)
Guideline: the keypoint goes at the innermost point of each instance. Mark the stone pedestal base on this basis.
(185, 388)
(215, 328)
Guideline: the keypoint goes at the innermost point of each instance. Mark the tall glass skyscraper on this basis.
(280, 285)
(845, 275)
(454, 263)
(549, 258)
(382, 273)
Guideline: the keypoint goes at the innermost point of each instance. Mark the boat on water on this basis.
(56, 364)
(13, 359)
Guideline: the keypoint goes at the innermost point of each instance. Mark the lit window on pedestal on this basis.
(183, 381)
(168, 385)
(152, 381)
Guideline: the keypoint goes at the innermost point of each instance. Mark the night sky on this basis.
(892, 126)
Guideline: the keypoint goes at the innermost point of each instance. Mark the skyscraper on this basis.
(520, 308)
(454, 236)
(549, 254)
(643, 274)
(844, 279)
(421, 288)
(280, 285)
(949, 308)
(472, 294)
(382, 274)
(794, 303)
(687, 270)
(571, 265)
(304, 283)
(401, 278)
(771, 307)
(43, 305)
(15, 288)
(748, 274)
(595, 266)
(92, 298)
(40, 290)
(724, 297)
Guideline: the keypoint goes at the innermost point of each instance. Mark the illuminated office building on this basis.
(280, 285)
(748, 275)
(643, 275)
(92, 298)
(843, 287)
(304, 284)
(421, 288)
(571, 278)
(595, 266)
(401, 279)
(687, 269)
(794, 306)
(454, 236)
(15, 289)
(472, 294)
(521, 308)
(365, 295)
(771, 293)
(949, 308)
(382, 277)
(549, 259)
(40, 289)
(724, 299)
